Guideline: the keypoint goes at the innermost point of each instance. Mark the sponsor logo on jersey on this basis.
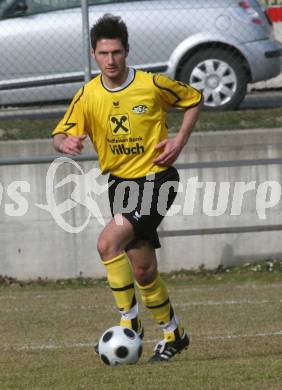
(141, 109)
(124, 139)
(120, 124)
(121, 149)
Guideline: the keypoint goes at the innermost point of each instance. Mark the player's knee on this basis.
(145, 275)
(107, 248)
(103, 247)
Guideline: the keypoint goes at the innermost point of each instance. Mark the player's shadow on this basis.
(229, 257)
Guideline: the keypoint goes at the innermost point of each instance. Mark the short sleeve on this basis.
(73, 122)
(176, 93)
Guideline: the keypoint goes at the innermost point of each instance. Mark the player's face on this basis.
(110, 56)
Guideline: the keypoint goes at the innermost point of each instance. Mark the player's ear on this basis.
(127, 51)
(92, 53)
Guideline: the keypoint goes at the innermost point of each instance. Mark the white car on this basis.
(218, 46)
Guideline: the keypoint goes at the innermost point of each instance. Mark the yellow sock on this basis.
(155, 298)
(134, 324)
(120, 278)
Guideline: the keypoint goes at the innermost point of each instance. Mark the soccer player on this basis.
(123, 112)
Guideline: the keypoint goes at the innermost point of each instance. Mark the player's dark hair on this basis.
(109, 27)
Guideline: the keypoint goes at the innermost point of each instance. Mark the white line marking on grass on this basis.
(111, 307)
(229, 302)
(42, 347)
(59, 307)
(222, 287)
(243, 336)
(46, 347)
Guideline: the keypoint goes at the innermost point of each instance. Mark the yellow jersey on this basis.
(125, 125)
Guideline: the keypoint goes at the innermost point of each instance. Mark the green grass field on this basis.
(234, 318)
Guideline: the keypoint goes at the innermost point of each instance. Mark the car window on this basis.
(11, 8)
(39, 6)
(93, 2)
(8, 7)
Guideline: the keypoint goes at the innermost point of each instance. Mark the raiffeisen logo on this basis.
(86, 188)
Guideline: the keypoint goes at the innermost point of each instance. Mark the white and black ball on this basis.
(120, 345)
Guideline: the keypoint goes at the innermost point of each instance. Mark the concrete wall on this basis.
(33, 245)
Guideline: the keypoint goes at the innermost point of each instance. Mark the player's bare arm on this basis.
(68, 144)
(173, 146)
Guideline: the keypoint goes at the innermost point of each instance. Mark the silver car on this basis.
(218, 46)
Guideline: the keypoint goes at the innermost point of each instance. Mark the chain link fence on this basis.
(218, 46)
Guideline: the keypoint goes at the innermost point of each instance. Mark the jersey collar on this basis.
(125, 84)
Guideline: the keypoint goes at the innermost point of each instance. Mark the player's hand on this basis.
(72, 145)
(171, 150)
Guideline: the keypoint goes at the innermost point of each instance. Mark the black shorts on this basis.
(144, 202)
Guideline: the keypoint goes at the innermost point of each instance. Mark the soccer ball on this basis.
(120, 345)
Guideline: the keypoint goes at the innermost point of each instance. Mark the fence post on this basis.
(86, 40)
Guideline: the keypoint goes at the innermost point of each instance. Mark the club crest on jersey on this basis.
(120, 124)
(140, 109)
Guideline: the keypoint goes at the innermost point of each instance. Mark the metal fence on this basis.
(218, 46)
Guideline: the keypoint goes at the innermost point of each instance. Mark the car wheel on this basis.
(220, 75)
